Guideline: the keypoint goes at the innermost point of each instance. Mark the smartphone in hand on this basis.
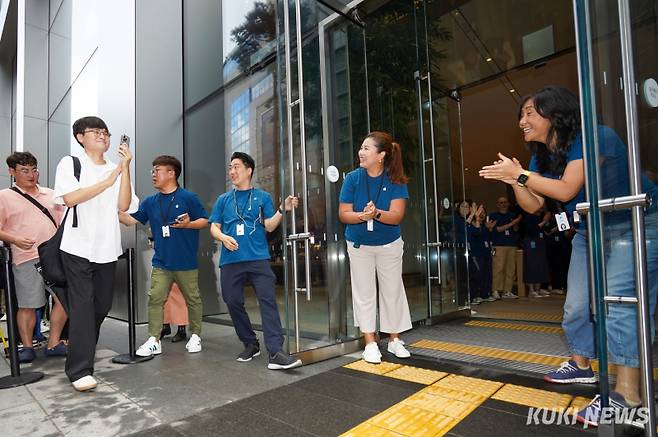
(181, 217)
(125, 139)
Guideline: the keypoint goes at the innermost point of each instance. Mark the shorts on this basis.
(30, 288)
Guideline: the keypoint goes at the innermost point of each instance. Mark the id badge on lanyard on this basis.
(239, 229)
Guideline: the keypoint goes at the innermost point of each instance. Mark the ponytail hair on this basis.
(393, 159)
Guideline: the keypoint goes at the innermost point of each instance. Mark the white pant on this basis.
(386, 262)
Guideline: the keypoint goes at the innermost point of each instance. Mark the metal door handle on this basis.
(616, 203)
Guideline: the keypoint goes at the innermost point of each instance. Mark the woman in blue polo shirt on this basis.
(550, 121)
(372, 204)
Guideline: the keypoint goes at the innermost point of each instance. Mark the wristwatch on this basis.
(523, 178)
(281, 210)
(378, 215)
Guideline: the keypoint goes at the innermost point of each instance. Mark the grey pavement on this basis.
(137, 397)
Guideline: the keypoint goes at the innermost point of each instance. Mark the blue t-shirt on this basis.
(612, 169)
(358, 189)
(247, 209)
(531, 227)
(179, 250)
(478, 241)
(508, 237)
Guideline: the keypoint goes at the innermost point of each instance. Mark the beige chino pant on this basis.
(383, 264)
(504, 268)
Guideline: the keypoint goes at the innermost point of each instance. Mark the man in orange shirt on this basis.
(24, 227)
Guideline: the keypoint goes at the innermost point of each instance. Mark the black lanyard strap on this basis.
(164, 216)
(381, 184)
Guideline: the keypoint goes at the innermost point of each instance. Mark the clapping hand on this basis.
(503, 169)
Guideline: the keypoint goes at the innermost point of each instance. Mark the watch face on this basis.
(522, 179)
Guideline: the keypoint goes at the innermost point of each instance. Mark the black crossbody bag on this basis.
(50, 260)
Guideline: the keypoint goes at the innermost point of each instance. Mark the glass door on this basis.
(617, 42)
(441, 149)
(324, 78)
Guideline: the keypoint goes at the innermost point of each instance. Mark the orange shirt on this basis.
(19, 217)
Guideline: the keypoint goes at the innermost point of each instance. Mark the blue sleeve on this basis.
(576, 150)
(533, 164)
(217, 211)
(268, 206)
(140, 215)
(197, 210)
(610, 145)
(400, 191)
(347, 190)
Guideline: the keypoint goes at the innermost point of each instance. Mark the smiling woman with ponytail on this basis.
(372, 204)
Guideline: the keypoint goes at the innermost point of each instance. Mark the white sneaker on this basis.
(194, 344)
(557, 291)
(490, 299)
(85, 383)
(476, 301)
(533, 294)
(396, 347)
(3, 318)
(495, 295)
(509, 295)
(151, 347)
(371, 353)
(45, 325)
(543, 292)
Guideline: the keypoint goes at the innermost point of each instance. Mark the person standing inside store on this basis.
(550, 121)
(175, 216)
(91, 241)
(505, 238)
(24, 228)
(372, 205)
(239, 220)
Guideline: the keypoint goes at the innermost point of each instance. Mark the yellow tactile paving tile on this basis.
(416, 374)
(378, 369)
(454, 394)
(515, 327)
(532, 397)
(490, 352)
(480, 387)
(412, 421)
(540, 317)
(577, 404)
(367, 429)
(454, 408)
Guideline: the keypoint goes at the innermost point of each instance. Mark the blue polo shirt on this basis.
(358, 189)
(179, 250)
(509, 237)
(248, 208)
(613, 173)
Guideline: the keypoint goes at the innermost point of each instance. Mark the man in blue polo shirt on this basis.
(505, 238)
(175, 216)
(240, 220)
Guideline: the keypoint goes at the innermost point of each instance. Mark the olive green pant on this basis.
(188, 282)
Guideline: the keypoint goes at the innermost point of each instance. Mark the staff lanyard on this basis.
(381, 184)
(164, 216)
(248, 201)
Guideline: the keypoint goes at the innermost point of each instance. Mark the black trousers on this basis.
(90, 289)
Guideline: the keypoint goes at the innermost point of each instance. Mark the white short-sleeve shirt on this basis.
(98, 235)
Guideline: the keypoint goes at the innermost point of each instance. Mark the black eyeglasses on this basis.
(98, 132)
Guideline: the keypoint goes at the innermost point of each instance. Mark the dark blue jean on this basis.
(259, 273)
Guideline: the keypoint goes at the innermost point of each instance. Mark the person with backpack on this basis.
(24, 228)
(91, 240)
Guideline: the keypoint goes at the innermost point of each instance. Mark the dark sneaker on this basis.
(252, 350)
(58, 351)
(165, 331)
(281, 361)
(26, 355)
(591, 414)
(570, 373)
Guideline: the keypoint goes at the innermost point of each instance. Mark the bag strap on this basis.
(77, 168)
(36, 203)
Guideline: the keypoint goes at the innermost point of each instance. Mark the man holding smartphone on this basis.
(91, 241)
(175, 216)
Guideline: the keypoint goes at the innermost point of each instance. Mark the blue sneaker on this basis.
(620, 411)
(58, 351)
(26, 355)
(569, 373)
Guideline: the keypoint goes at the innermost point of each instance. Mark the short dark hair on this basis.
(247, 160)
(21, 158)
(169, 161)
(84, 123)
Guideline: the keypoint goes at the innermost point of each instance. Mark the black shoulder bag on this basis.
(50, 260)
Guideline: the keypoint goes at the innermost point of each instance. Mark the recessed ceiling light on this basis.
(489, 59)
(512, 90)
